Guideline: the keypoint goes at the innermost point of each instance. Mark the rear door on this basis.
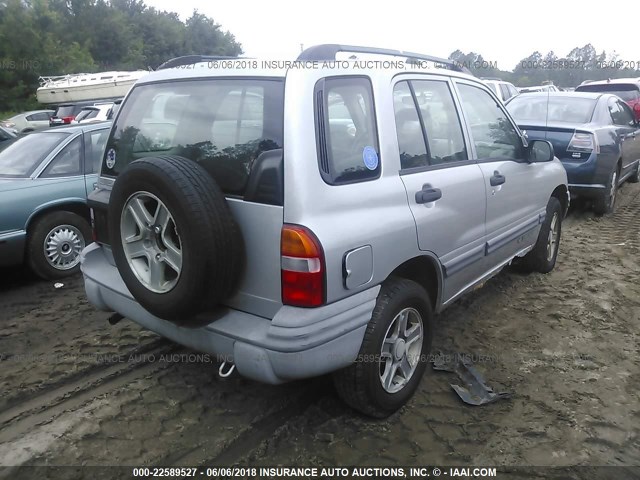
(94, 143)
(514, 189)
(445, 189)
(627, 132)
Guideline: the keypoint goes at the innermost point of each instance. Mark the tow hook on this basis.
(115, 318)
(224, 374)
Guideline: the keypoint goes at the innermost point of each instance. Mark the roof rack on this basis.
(328, 51)
(495, 79)
(191, 59)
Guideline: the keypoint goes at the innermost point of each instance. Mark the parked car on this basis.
(67, 112)
(504, 90)
(595, 136)
(29, 121)
(95, 113)
(539, 88)
(44, 180)
(235, 216)
(6, 135)
(628, 89)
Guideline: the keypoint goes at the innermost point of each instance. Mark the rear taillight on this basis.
(68, 119)
(302, 267)
(583, 143)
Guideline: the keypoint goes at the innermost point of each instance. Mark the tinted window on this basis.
(224, 125)
(94, 143)
(493, 134)
(40, 117)
(513, 91)
(441, 122)
(23, 155)
(505, 91)
(566, 109)
(30, 118)
(87, 114)
(620, 113)
(4, 135)
(628, 92)
(65, 111)
(411, 142)
(67, 162)
(347, 136)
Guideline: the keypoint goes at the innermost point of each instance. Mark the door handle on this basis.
(497, 179)
(428, 194)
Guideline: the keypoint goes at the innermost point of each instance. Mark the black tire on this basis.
(635, 178)
(210, 240)
(539, 259)
(40, 231)
(606, 202)
(360, 385)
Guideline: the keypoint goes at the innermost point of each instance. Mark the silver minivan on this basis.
(313, 217)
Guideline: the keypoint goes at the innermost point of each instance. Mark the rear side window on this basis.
(223, 124)
(94, 143)
(67, 162)
(427, 123)
(346, 130)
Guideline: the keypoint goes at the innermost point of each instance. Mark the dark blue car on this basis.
(595, 135)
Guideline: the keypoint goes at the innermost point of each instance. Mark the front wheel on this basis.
(545, 252)
(393, 355)
(55, 243)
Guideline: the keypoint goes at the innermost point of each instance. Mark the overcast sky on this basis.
(503, 32)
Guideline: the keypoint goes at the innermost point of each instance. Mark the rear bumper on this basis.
(297, 343)
(12, 248)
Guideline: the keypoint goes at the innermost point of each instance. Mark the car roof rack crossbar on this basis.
(329, 51)
(191, 59)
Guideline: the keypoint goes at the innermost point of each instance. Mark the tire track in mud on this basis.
(73, 393)
(71, 382)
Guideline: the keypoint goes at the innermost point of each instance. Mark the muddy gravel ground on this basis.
(75, 390)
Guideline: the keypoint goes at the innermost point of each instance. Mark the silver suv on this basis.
(313, 219)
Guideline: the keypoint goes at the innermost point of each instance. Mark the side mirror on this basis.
(540, 151)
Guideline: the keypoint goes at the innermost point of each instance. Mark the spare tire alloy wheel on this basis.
(151, 242)
(175, 242)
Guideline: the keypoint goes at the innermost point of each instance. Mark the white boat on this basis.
(86, 86)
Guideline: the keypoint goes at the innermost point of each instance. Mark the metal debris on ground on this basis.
(474, 390)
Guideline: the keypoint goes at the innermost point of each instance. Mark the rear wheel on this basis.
(606, 201)
(393, 355)
(55, 243)
(635, 178)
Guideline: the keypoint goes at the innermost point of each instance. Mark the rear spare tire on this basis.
(174, 239)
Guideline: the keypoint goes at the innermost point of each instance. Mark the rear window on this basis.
(23, 155)
(551, 109)
(86, 114)
(65, 111)
(628, 92)
(223, 124)
(347, 138)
